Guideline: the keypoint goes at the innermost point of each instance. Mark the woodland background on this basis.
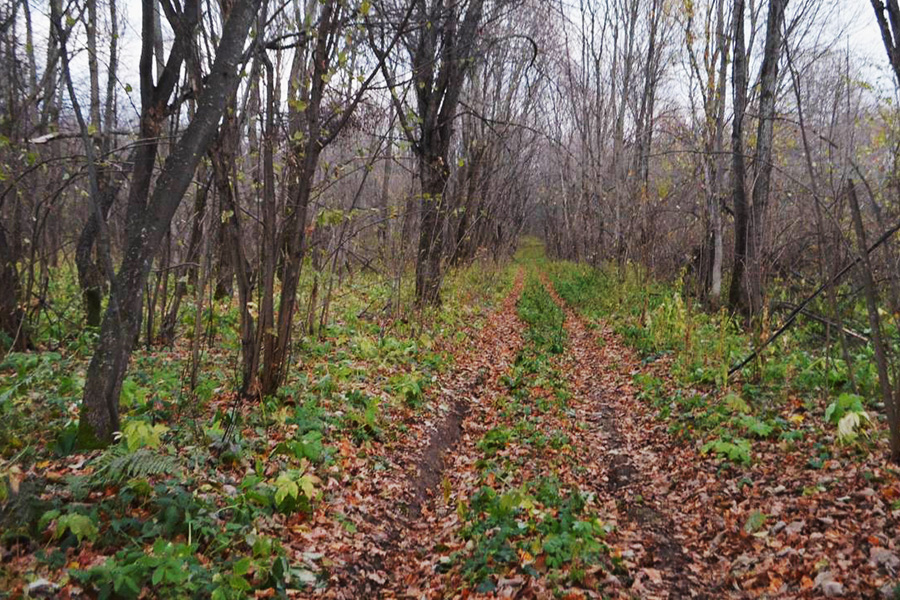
(200, 199)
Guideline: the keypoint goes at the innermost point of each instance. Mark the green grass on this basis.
(697, 399)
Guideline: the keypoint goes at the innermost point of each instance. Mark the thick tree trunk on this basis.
(441, 57)
(431, 232)
(99, 416)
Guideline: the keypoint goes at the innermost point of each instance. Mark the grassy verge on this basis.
(797, 390)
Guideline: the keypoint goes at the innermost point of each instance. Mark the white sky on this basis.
(855, 17)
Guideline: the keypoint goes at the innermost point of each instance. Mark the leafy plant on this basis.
(295, 490)
(848, 414)
(409, 387)
(537, 519)
(362, 419)
(753, 425)
(139, 434)
(736, 450)
(494, 440)
(81, 526)
(850, 426)
(118, 464)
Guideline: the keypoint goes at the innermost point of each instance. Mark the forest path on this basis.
(546, 474)
(616, 453)
(638, 467)
(398, 534)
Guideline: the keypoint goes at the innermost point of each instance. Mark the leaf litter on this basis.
(537, 472)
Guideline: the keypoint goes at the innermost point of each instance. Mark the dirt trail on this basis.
(412, 562)
(679, 518)
(634, 465)
(620, 455)
(399, 534)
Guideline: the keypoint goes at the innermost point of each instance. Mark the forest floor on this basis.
(674, 522)
(544, 458)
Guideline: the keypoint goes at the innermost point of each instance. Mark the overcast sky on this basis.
(855, 17)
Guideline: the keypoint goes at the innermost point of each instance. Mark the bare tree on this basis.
(441, 48)
(149, 215)
(748, 274)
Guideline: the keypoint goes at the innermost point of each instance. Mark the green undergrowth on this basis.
(523, 519)
(192, 499)
(796, 390)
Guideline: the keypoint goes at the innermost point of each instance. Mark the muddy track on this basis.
(601, 382)
(443, 439)
(389, 567)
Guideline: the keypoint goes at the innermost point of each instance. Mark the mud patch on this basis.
(431, 463)
(621, 473)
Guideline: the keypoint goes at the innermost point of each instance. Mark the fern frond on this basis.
(118, 464)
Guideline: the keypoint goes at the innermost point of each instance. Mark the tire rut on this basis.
(397, 538)
(659, 562)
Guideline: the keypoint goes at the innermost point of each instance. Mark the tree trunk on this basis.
(278, 350)
(736, 294)
(756, 243)
(881, 350)
(91, 278)
(149, 219)
(224, 156)
(431, 232)
(189, 271)
(12, 317)
(384, 212)
(441, 59)
(269, 248)
(301, 169)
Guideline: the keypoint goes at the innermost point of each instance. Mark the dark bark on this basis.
(302, 162)
(91, 277)
(878, 343)
(12, 317)
(736, 294)
(311, 129)
(270, 237)
(448, 45)
(748, 275)
(384, 226)
(225, 266)
(224, 157)
(755, 270)
(149, 217)
(189, 271)
(889, 25)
